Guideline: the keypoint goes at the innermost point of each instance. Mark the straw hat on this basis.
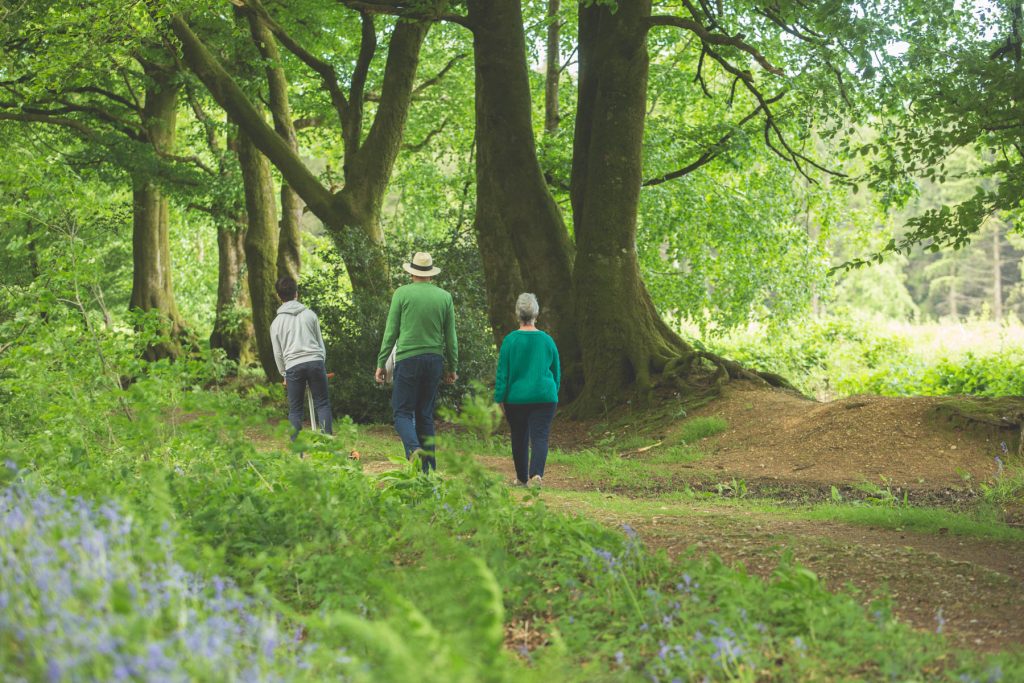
(422, 265)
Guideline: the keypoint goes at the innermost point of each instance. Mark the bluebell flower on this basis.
(725, 650)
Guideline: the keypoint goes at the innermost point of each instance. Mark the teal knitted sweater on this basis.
(528, 369)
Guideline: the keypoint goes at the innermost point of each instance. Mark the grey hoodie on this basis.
(295, 334)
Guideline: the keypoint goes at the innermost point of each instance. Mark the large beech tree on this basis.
(596, 305)
(132, 115)
(595, 301)
(350, 214)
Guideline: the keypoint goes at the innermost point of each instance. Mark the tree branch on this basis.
(114, 97)
(406, 10)
(717, 39)
(373, 162)
(52, 120)
(231, 97)
(709, 154)
(771, 125)
(322, 68)
(440, 74)
(353, 130)
(410, 147)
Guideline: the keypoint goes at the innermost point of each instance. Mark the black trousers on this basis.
(531, 426)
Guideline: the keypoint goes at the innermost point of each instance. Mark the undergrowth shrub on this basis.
(353, 336)
(398, 576)
(836, 357)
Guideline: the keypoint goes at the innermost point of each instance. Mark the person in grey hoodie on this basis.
(300, 354)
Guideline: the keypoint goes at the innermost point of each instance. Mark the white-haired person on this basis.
(526, 388)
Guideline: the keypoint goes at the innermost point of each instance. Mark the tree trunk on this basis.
(232, 328)
(997, 273)
(623, 339)
(151, 254)
(260, 247)
(514, 206)
(552, 71)
(954, 299)
(289, 237)
(351, 216)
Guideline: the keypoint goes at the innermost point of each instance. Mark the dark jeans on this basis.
(314, 374)
(531, 425)
(416, 381)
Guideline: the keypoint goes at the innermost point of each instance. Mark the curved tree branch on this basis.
(712, 152)
(712, 38)
(326, 72)
(230, 96)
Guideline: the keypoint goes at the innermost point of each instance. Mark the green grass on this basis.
(920, 520)
(916, 519)
(698, 428)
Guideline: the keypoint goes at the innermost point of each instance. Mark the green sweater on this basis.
(421, 320)
(528, 369)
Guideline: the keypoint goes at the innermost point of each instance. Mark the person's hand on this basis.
(502, 406)
(451, 377)
(284, 382)
(379, 376)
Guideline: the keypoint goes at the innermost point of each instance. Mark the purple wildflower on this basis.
(725, 650)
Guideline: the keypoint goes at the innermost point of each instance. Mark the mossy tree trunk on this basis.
(514, 207)
(289, 243)
(351, 215)
(260, 247)
(232, 327)
(623, 340)
(152, 288)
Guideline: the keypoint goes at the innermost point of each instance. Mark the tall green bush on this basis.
(353, 336)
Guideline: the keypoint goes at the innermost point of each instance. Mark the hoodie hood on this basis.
(291, 308)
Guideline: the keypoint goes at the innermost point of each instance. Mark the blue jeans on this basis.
(416, 381)
(314, 374)
(531, 426)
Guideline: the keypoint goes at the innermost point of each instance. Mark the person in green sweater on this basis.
(526, 388)
(421, 328)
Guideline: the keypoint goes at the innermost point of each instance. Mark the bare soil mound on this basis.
(905, 442)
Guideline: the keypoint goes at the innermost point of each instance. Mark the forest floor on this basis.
(876, 495)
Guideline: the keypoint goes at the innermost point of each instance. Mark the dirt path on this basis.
(972, 589)
(915, 443)
(938, 451)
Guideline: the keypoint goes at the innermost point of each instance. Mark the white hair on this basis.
(527, 308)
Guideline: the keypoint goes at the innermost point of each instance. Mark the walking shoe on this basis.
(515, 483)
(536, 480)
